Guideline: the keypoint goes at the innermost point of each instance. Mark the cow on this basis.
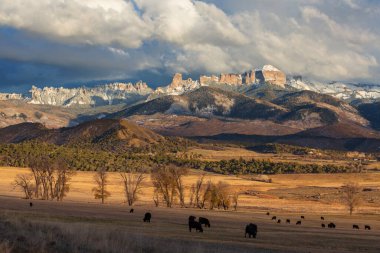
(268, 213)
(288, 221)
(147, 217)
(30, 204)
(322, 218)
(279, 221)
(302, 217)
(251, 230)
(274, 218)
(331, 225)
(195, 224)
(204, 221)
(367, 227)
(355, 226)
(298, 222)
(323, 225)
(131, 211)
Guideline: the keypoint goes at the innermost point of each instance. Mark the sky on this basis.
(76, 42)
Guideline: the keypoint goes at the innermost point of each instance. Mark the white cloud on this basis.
(299, 36)
(100, 22)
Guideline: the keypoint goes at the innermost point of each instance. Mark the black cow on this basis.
(132, 210)
(298, 222)
(302, 217)
(322, 218)
(147, 217)
(323, 225)
(331, 225)
(204, 221)
(279, 221)
(367, 227)
(274, 218)
(355, 226)
(30, 204)
(288, 221)
(268, 213)
(251, 230)
(195, 224)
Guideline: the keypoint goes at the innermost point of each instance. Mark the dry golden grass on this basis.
(85, 225)
(92, 227)
(286, 192)
(227, 153)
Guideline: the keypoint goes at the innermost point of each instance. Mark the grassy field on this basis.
(314, 193)
(85, 225)
(90, 227)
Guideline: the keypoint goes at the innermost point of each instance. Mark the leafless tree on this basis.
(101, 181)
(196, 191)
(24, 182)
(132, 185)
(156, 198)
(351, 196)
(235, 200)
(178, 174)
(164, 184)
(51, 177)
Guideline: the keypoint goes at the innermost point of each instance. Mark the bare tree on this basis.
(132, 185)
(156, 198)
(164, 184)
(51, 177)
(351, 196)
(196, 191)
(235, 200)
(178, 174)
(24, 182)
(101, 180)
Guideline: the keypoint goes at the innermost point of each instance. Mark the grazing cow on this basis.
(279, 221)
(288, 221)
(323, 225)
(331, 225)
(251, 230)
(355, 226)
(131, 211)
(367, 227)
(322, 218)
(204, 221)
(302, 217)
(195, 224)
(147, 217)
(274, 218)
(298, 222)
(30, 204)
(268, 213)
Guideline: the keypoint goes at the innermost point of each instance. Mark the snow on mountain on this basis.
(8, 96)
(108, 94)
(341, 90)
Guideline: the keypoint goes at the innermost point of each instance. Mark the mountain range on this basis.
(257, 106)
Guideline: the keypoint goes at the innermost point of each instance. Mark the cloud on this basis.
(97, 39)
(100, 22)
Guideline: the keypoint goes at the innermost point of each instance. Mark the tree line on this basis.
(86, 159)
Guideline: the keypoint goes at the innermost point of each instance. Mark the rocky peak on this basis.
(8, 96)
(231, 79)
(272, 75)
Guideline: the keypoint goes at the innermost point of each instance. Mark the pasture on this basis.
(88, 226)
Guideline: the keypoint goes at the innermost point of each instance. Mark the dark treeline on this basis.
(86, 159)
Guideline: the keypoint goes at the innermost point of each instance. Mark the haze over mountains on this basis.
(260, 105)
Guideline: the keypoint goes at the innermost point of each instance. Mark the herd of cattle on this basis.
(250, 229)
